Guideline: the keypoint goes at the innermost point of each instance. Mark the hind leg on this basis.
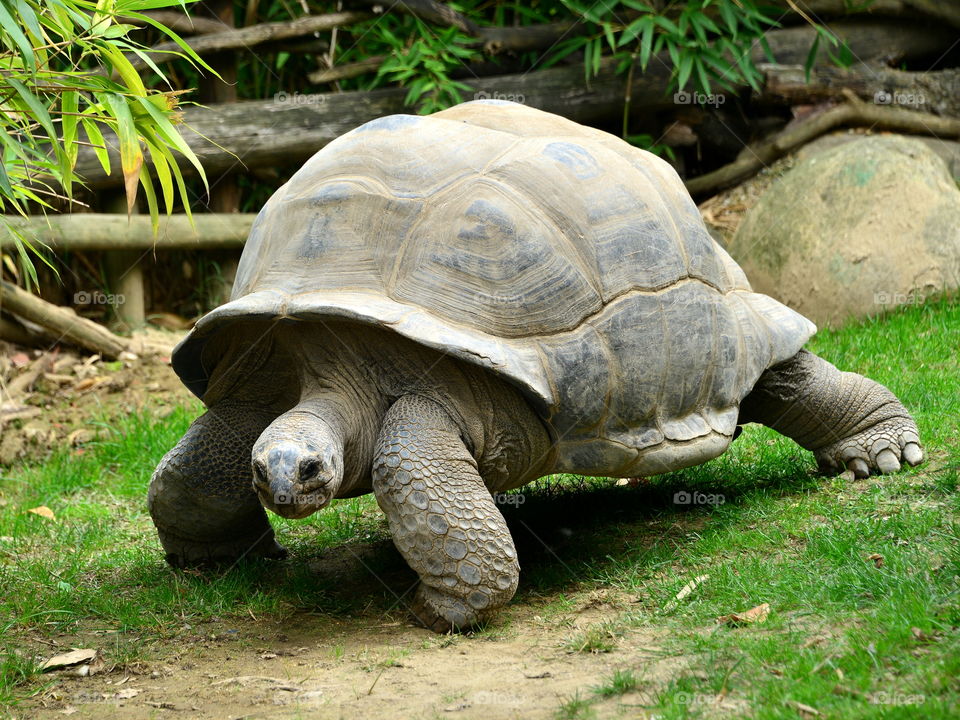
(201, 495)
(847, 420)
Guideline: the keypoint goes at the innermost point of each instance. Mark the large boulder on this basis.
(855, 230)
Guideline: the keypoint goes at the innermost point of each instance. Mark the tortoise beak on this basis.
(294, 480)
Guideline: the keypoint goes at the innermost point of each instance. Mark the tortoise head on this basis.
(297, 463)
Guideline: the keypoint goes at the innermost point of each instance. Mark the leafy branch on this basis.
(64, 67)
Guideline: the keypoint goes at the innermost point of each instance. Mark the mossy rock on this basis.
(855, 230)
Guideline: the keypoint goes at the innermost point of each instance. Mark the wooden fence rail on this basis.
(108, 231)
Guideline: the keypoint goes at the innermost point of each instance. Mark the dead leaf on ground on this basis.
(68, 659)
(877, 559)
(127, 693)
(79, 437)
(803, 708)
(686, 590)
(756, 614)
(90, 383)
(43, 511)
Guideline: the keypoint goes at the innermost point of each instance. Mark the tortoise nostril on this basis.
(309, 470)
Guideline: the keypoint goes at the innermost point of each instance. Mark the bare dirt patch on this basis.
(55, 397)
(324, 667)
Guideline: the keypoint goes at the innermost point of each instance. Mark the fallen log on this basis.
(290, 128)
(937, 92)
(64, 323)
(347, 71)
(178, 22)
(115, 231)
(16, 333)
(874, 41)
(432, 12)
(947, 10)
(853, 112)
(250, 37)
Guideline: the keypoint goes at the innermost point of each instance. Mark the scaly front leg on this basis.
(442, 517)
(201, 495)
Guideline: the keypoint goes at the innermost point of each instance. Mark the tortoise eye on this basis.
(259, 474)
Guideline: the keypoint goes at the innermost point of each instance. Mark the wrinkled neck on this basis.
(349, 415)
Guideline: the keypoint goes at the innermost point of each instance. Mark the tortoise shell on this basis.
(558, 256)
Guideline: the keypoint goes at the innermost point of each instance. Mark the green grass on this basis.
(844, 636)
(621, 682)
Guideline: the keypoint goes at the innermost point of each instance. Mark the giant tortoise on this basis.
(438, 308)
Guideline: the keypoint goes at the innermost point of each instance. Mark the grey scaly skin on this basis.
(431, 438)
(849, 421)
(201, 498)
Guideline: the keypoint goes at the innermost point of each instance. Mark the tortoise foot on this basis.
(880, 449)
(442, 613)
(182, 552)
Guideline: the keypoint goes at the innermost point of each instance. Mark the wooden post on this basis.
(224, 189)
(124, 269)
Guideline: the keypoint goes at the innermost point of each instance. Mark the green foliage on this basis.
(711, 46)
(423, 65)
(65, 66)
(706, 45)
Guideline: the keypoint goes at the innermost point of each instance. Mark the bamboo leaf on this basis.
(811, 57)
(162, 169)
(131, 157)
(168, 133)
(151, 196)
(96, 140)
(12, 28)
(632, 30)
(5, 186)
(69, 106)
(29, 18)
(702, 75)
(608, 33)
(188, 51)
(684, 66)
(646, 43)
(178, 178)
(729, 17)
(124, 69)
